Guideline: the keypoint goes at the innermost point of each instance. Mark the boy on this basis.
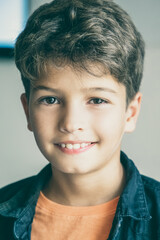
(81, 64)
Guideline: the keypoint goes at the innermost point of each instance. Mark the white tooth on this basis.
(87, 144)
(63, 145)
(83, 145)
(76, 146)
(69, 146)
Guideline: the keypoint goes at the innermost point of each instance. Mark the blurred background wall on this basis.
(19, 155)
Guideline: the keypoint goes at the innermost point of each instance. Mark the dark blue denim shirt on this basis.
(137, 216)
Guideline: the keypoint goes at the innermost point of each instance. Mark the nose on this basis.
(72, 119)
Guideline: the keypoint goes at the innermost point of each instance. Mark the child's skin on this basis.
(74, 107)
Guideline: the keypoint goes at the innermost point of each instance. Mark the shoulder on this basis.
(25, 188)
(151, 185)
(10, 190)
(152, 189)
(152, 195)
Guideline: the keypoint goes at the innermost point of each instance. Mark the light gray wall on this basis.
(19, 155)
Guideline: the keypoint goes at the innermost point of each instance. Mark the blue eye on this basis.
(97, 101)
(49, 100)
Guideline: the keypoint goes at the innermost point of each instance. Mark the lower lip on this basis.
(75, 151)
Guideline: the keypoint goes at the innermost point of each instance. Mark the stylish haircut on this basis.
(81, 33)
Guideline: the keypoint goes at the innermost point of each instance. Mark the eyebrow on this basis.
(96, 89)
(105, 89)
(40, 87)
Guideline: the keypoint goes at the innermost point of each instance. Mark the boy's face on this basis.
(78, 119)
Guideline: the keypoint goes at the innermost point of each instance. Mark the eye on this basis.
(98, 101)
(49, 100)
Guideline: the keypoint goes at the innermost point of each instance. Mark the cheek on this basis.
(109, 124)
(41, 125)
(41, 119)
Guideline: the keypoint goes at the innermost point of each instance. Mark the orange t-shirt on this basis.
(60, 222)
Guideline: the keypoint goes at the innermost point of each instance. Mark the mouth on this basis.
(75, 148)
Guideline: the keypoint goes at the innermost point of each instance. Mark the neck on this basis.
(86, 189)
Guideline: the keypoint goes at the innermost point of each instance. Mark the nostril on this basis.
(70, 129)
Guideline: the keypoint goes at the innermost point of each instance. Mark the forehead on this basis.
(73, 80)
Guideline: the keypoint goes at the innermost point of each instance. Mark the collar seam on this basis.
(145, 218)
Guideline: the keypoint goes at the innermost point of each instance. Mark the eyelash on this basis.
(99, 101)
(47, 100)
(53, 100)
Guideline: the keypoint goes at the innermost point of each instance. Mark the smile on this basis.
(74, 148)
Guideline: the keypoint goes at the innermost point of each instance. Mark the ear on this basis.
(25, 105)
(133, 112)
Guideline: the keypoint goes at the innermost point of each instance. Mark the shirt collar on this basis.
(132, 202)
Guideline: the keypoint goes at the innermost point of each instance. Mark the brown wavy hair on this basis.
(80, 33)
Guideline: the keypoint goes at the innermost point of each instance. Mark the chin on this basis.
(71, 170)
